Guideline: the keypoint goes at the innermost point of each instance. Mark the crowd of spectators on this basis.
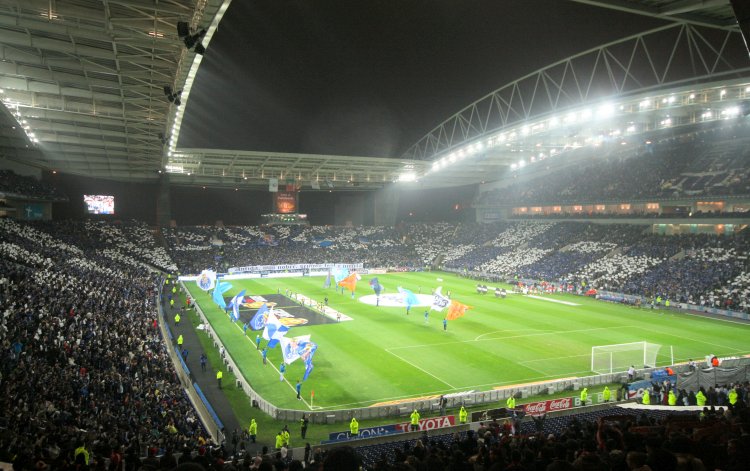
(197, 248)
(702, 269)
(710, 162)
(12, 183)
(83, 364)
(615, 439)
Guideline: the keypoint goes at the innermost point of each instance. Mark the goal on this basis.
(618, 357)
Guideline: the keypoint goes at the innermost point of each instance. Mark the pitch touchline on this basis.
(420, 369)
(556, 332)
(541, 298)
(441, 391)
(686, 338)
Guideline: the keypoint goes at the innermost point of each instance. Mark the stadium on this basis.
(244, 235)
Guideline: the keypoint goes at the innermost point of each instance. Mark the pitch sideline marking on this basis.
(542, 298)
(441, 391)
(745, 323)
(686, 338)
(272, 365)
(419, 368)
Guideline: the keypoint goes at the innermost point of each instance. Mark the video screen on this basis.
(99, 204)
(286, 202)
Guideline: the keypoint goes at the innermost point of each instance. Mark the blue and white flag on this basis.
(410, 299)
(274, 330)
(308, 350)
(339, 273)
(439, 302)
(327, 283)
(376, 286)
(235, 304)
(292, 348)
(206, 280)
(221, 288)
(259, 319)
(308, 370)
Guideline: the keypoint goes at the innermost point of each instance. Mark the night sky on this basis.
(371, 77)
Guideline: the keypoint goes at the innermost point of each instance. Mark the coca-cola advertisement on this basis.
(543, 407)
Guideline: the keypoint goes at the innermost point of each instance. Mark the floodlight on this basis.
(732, 111)
(192, 40)
(183, 29)
(606, 110)
(407, 177)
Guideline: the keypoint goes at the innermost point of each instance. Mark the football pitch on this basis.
(383, 355)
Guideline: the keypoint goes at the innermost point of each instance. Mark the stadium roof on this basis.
(713, 13)
(85, 80)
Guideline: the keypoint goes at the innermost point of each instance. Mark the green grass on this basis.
(385, 355)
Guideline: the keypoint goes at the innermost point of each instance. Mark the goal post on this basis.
(619, 357)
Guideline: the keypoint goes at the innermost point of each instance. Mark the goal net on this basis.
(618, 357)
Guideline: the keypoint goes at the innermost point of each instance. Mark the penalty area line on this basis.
(511, 330)
(536, 334)
(420, 368)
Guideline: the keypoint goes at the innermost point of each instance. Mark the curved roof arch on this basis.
(665, 57)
